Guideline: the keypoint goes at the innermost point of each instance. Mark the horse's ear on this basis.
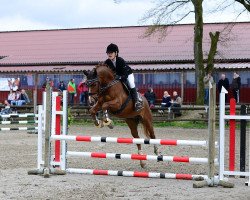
(94, 71)
(101, 63)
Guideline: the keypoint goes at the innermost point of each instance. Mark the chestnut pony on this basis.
(110, 96)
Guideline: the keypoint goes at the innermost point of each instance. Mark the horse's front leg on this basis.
(107, 105)
(93, 112)
(106, 120)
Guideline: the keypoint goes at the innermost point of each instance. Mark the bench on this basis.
(29, 108)
(204, 115)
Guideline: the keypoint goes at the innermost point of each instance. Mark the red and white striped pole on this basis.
(135, 174)
(183, 159)
(232, 124)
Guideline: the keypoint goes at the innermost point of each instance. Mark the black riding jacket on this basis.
(121, 68)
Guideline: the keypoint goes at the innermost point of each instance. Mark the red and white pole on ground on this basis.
(134, 174)
(232, 127)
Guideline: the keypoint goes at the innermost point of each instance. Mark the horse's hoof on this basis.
(111, 126)
(157, 151)
(99, 124)
(108, 122)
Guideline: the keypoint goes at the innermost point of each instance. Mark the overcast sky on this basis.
(54, 14)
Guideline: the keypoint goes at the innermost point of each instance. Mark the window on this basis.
(164, 78)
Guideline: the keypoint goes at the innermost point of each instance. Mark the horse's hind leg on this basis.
(133, 126)
(149, 131)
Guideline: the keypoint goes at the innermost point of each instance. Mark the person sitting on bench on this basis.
(176, 103)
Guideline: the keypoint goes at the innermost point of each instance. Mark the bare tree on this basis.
(245, 3)
(172, 12)
(198, 52)
(213, 50)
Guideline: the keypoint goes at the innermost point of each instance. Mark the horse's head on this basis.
(97, 79)
(93, 85)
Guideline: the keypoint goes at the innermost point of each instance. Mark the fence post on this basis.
(47, 146)
(243, 124)
(212, 104)
(213, 181)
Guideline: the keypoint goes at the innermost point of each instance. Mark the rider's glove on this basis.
(123, 78)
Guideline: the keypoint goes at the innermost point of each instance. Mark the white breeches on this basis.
(131, 81)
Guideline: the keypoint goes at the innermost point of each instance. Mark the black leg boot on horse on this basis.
(138, 104)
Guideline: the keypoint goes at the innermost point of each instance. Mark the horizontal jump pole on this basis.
(135, 174)
(130, 140)
(19, 122)
(19, 129)
(236, 173)
(20, 115)
(237, 117)
(139, 157)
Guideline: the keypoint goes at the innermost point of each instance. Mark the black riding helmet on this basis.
(112, 48)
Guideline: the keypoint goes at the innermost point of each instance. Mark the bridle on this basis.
(101, 90)
(89, 83)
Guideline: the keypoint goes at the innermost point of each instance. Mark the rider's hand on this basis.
(123, 78)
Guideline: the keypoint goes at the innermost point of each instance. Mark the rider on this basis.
(119, 66)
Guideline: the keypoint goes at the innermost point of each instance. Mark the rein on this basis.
(103, 89)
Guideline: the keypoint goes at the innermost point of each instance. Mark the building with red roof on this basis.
(163, 63)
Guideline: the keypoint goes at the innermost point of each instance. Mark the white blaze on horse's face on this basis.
(91, 101)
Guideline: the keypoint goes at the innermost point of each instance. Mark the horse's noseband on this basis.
(91, 82)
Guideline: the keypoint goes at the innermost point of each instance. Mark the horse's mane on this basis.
(104, 72)
(103, 65)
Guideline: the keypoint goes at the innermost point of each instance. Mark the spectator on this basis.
(16, 96)
(6, 110)
(208, 78)
(61, 86)
(23, 99)
(166, 100)
(72, 91)
(225, 83)
(83, 91)
(150, 96)
(6, 103)
(236, 83)
(176, 103)
(48, 81)
(11, 97)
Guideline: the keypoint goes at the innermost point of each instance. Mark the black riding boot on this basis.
(135, 98)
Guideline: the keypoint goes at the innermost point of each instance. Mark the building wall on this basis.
(172, 81)
(159, 81)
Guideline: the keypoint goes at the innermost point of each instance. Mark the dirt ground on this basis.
(18, 155)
